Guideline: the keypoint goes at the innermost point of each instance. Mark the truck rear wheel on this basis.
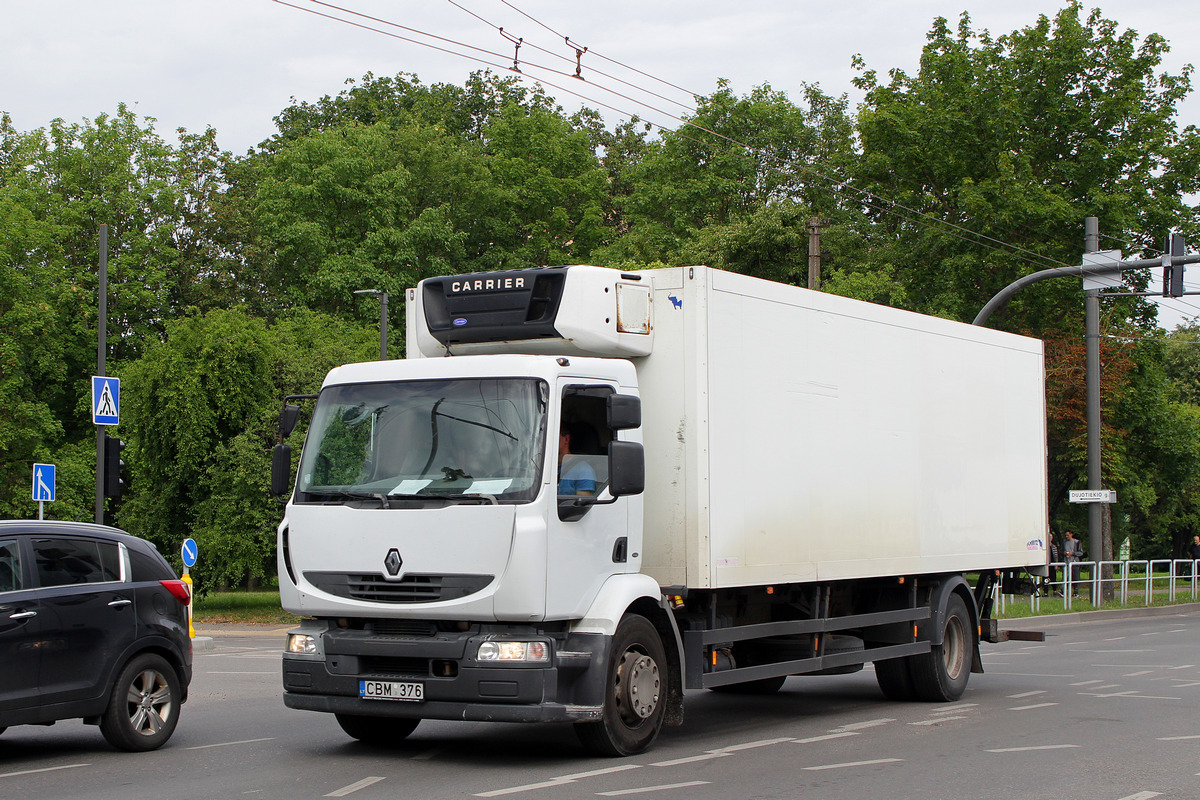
(941, 675)
(894, 679)
(634, 695)
(377, 730)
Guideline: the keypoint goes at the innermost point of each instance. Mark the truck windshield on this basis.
(463, 440)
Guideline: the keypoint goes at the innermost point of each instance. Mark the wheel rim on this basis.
(638, 687)
(954, 647)
(150, 702)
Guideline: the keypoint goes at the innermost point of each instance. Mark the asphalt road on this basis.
(1105, 709)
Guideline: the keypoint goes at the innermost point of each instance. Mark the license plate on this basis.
(386, 690)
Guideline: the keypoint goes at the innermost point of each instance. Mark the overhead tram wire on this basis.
(567, 39)
(835, 185)
(561, 57)
(1036, 259)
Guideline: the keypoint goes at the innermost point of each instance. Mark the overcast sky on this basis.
(235, 64)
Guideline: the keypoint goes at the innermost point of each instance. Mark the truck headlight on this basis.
(534, 652)
(301, 643)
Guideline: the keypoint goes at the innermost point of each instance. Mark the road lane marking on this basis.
(518, 789)
(644, 789)
(1032, 748)
(849, 764)
(954, 709)
(858, 726)
(1142, 796)
(826, 737)
(229, 744)
(690, 759)
(733, 748)
(593, 773)
(936, 721)
(1130, 694)
(1030, 708)
(1085, 683)
(1136, 674)
(1177, 738)
(354, 787)
(43, 769)
(1026, 694)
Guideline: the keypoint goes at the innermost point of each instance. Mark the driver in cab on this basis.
(575, 474)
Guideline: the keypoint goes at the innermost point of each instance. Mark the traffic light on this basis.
(1173, 273)
(114, 467)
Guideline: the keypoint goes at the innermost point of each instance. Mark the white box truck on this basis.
(586, 491)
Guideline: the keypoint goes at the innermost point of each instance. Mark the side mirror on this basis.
(281, 468)
(289, 415)
(626, 468)
(624, 412)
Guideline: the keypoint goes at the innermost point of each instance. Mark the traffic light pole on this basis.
(1091, 309)
(101, 347)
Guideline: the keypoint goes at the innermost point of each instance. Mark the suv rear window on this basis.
(148, 567)
(66, 562)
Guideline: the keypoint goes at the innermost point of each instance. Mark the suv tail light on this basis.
(179, 589)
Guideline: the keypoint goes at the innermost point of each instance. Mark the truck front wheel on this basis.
(634, 692)
(376, 730)
(941, 674)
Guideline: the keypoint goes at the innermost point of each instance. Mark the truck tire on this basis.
(895, 680)
(143, 708)
(634, 694)
(377, 730)
(941, 675)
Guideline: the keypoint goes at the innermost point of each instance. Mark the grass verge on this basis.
(242, 608)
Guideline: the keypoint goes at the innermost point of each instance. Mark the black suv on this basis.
(93, 624)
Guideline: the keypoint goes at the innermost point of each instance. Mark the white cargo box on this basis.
(796, 436)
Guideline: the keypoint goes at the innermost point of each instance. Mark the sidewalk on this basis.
(1074, 617)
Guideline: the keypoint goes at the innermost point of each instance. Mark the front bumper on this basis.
(570, 688)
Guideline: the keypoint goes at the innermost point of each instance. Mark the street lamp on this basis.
(382, 319)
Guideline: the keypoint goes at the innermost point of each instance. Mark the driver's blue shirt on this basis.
(576, 476)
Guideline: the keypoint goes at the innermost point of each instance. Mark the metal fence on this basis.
(1131, 582)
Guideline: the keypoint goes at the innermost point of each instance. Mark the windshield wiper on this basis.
(340, 494)
(451, 497)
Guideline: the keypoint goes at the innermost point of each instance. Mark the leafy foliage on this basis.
(232, 277)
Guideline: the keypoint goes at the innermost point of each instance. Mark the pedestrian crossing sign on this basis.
(106, 400)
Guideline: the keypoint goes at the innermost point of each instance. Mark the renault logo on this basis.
(393, 562)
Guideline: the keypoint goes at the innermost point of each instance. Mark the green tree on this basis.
(57, 186)
(1017, 139)
(202, 409)
(736, 185)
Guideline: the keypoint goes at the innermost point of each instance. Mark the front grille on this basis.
(402, 628)
(386, 667)
(413, 588)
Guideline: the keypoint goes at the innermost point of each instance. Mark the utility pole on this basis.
(1091, 309)
(814, 252)
(101, 347)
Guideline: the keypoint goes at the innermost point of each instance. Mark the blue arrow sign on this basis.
(189, 551)
(106, 400)
(43, 482)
